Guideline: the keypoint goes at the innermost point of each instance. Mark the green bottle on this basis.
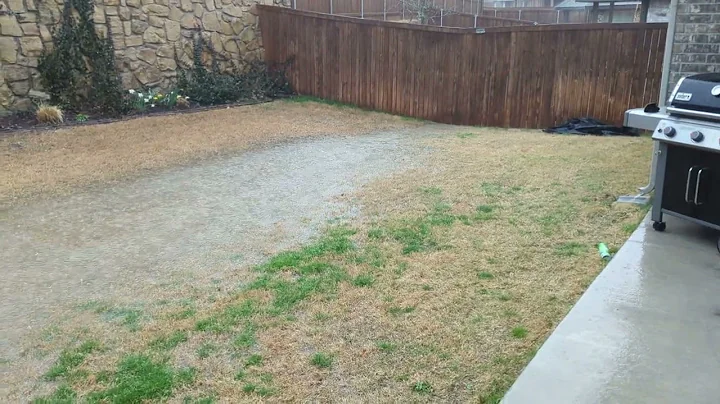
(604, 251)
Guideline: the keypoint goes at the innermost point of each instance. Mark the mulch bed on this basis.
(25, 121)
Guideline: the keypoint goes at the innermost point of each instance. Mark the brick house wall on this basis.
(696, 44)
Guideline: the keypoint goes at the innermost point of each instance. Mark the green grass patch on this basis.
(466, 135)
(363, 280)
(484, 213)
(431, 190)
(570, 249)
(336, 241)
(321, 317)
(519, 332)
(504, 296)
(170, 341)
(229, 317)
(139, 378)
(254, 360)
(321, 360)
(422, 387)
(205, 350)
(395, 311)
(183, 314)
(70, 359)
(386, 346)
(246, 338)
(485, 275)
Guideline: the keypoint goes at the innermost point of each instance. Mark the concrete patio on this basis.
(646, 331)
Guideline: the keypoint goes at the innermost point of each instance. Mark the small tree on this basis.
(425, 10)
(420, 10)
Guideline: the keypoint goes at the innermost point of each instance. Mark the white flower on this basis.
(140, 94)
(179, 96)
(187, 98)
(131, 91)
(152, 105)
(147, 99)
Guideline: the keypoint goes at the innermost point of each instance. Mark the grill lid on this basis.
(697, 96)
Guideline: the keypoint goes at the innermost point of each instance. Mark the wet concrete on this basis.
(646, 331)
(197, 222)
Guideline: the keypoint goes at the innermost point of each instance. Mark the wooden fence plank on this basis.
(526, 76)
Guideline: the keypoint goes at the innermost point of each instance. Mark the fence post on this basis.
(475, 24)
(441, 17)
(294, 4)
(362, 8)
(463, 7)
(558, 17)
(384, 10)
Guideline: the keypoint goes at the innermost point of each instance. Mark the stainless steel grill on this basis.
(687, 177)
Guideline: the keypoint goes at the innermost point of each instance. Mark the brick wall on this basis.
(696, 46)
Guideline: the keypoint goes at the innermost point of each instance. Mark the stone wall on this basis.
(696, 41)
(152, 39)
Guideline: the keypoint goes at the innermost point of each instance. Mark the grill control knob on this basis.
(669, 131)
(697, 136)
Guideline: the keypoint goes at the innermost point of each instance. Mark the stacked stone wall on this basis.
(153, 39)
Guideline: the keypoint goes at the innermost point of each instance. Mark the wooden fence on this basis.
(525, 77)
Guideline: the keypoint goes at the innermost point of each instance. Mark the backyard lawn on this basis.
(441, 289)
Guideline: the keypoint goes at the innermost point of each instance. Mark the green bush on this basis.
(208, 86)
(79, 72)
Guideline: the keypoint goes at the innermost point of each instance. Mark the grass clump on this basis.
(321, 360)
(337, 241)
(401, 310)
(70, 359)
(63, 394)
(229, 317)
(519, 332)
(363, 280)
(169, 342)
(485, 275)
(484, 212)
(386, 346)
(254, 360)
(422, 387)
(139, 378)
(49, 114)
(205, 350)
(246, 338)
(570, 249)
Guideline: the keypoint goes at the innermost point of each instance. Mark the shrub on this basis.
(79, 72)
(209, 86)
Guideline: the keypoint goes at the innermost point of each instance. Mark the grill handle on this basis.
(687, 185)
(697, 186)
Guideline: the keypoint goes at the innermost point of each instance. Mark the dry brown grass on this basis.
(523, 264)
(61, 160)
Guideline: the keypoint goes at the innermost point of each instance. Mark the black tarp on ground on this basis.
(590, 126)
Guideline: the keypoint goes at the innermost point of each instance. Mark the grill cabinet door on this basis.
(692, 183)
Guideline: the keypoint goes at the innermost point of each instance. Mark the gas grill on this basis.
(687, 178)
